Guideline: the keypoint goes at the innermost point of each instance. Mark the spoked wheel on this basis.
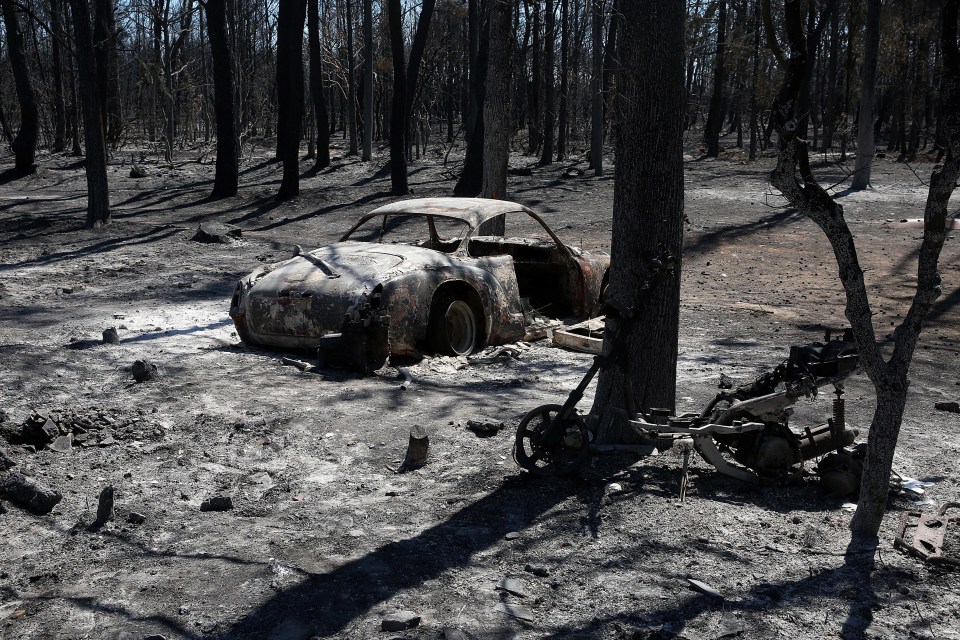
(557, 458)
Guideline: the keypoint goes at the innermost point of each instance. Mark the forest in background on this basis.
(155, 74)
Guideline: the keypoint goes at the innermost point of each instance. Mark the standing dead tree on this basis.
(98, 191)
(801, 190)
(25, 144)
(647, 215)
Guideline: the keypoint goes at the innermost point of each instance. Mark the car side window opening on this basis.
(545, 273)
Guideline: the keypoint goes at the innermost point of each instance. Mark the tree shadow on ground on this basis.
(328, 602)
(709, 241)
(852, 583)
(321, 211)
(152, 235)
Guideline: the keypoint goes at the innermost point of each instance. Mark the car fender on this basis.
(408, 299)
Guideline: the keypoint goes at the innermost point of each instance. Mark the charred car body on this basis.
(416, 276)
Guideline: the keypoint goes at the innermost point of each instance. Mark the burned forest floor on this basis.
(323, 538)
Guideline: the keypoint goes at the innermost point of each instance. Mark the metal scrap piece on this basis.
(927, 541)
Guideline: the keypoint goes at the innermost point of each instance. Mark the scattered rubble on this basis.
(704, 588)
(30, 494)
(6, 462)
(215, 233)
(928, 534)
(515, 610)
(63, 431)
(144, 370)
(217, 503)
(485, 426)
(400, 621)
(512, 586)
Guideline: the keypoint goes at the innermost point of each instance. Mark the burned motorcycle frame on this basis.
(743, 433)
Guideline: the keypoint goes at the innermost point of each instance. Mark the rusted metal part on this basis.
(297, 302)
(927, 541)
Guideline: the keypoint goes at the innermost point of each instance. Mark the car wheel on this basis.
(453, 328)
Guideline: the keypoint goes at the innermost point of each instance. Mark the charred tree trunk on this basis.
(56, 53)
(367, 152)
(98, 194)
(471, 177)
(868, 86)
(105, 50)
(562, 124)
(351, 85)
(754, 116)
(889, 376)
(496, 110)
(290, 92)
(596, 89)
(398, 125)
(534, 131)
(473, 52)
(316, 85)
(711, 132)
(226, 180)
(647, 213)
(549, 88)
(25, 144)
(417, 48)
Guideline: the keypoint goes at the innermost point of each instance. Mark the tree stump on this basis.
(104, 508)
(417, 449)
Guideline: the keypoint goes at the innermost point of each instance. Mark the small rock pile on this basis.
(61, 431)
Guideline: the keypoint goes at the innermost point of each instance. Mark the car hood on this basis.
(346, 266)
(310, 294)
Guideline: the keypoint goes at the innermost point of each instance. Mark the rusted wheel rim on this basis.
(564, 457)
(461, 327)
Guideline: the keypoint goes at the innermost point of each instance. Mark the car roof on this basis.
(473, 211)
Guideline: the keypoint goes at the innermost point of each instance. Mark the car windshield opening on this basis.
(430, 232)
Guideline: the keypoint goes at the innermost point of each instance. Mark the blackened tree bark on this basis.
(888, 375)
(473, 53)
(226, 180)
(290, 92)
(398, 124)
(534, 124)
(549, 86)
(833, 74)
(25, 144)
(754, 116)
(367, 151)
(564, 83)
(496, 110)
(596, 89)
(351, 85)
(610, 62)
(98, 190)
(868, 86)
(417, 47)
(58, 35)
(404, 87)
(711, 132)
(471, 177)
(647, 211)
(316, 87)
(108, 81)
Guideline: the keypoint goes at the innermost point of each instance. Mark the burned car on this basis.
(418, 276)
